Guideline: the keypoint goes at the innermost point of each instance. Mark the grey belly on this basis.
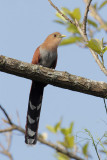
(47, 59)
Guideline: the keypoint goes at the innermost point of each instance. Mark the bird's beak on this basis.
(62, 36)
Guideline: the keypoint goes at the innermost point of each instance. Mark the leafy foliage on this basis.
(103, 4)
(85, 149)
(97, 46)
(68, 141)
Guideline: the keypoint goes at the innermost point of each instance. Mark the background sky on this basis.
(24, 25)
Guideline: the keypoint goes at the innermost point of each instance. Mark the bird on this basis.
(46, 56)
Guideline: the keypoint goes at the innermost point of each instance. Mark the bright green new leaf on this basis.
(72, 28)
(66, 10)
(65, 131)
(69, 141)
(92, 23)
(103, 4)
(71, 40)
(104, 50)
(58, 21)
(61, 156)
(95, 45)
(51, 129)
(76, 14)
(71, 127)
(57, 126)
(85, 149)
(61, 17)
(95, 5)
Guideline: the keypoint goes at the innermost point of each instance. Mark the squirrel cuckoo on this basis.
(45, 55)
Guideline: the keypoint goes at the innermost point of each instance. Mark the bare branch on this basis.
(85, 17)
(61, 12)
(95, 14)
(5, 151)
(8, 118)
(50, 76)
(41, 140)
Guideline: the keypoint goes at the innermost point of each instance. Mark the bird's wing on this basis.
(36, 56)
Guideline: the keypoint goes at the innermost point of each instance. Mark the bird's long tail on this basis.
(33, 114)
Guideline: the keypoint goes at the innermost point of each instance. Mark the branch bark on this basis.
(50, 76)
(85, 16)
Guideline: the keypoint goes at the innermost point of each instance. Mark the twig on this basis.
(41, 140)
(8, 118)
(85, 17)
(5, 151)
(97, 16)
(63, 15)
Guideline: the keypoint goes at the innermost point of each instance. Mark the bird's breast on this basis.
(47, 57)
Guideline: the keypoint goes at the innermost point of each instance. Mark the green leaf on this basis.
(61, 156)
(76, 14)
(95, 5)
(104, 50)
(71, 127)
(95, 45)
(71, 40)
(57, 126)
(66, 10)
(65, 131)
(72, 28)
(69, 141)
(103, 4)
(61, 17)
(58, 21)
(51, 129)
(92, 23)
(85, 149)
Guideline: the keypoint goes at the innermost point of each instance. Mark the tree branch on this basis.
(85, 17)
(40, 139)
(50, 76)
(96, 16)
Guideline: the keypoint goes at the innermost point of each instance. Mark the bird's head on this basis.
(54, 39)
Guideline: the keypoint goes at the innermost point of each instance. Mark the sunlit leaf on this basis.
(71, 127)
(66, 10)
(71, 40)
(76, 14)
(104, 50)
(85, 149)
(92, 23)
(103, 4)
(69, 140)
(96, 45)
(95, 5)
(61, 156)
(58, 21)
(57, 126)
(65, 131)
(51, 129)
(72, 28)
(61, 17)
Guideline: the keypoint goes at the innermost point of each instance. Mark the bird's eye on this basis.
(54, 35)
